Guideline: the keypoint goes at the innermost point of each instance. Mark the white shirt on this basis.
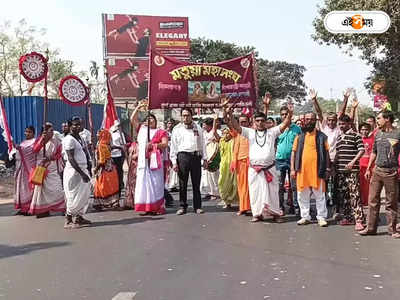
(71, 143)
(260, 153)
(118, 140)
(185, 140)
(58, 135)
(333, 135)
(86, 136)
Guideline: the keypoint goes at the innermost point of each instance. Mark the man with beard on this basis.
(349, 150)
(328, 126)
(263, 176)
(310, 165)
(385, 155)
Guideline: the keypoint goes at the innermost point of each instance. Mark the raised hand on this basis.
(267, 99)
(224, 102)
(355, 103)
(347, 93)
(313, 94)
(290, 107)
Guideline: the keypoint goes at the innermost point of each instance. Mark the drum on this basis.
(213, 155)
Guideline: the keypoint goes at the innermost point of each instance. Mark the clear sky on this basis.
(280, 30)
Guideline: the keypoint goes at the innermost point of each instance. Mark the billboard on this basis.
(175, 83)
(133, 35)
(128, 78)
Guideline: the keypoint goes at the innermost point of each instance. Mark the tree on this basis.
(22, 39)
(381, 51)
(281, 79)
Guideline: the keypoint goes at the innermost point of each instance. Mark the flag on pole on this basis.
(4, 125)
(110, 113)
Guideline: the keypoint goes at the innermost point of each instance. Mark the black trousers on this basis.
(119, 163)
(189, 164)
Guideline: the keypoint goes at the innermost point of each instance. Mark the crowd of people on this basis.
(248, 162)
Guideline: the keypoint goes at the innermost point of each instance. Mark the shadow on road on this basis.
(125, 221)
(7, 209)
(9, 251)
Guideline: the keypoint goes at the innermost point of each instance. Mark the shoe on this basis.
(346, 222)
(43, 215)
(336, 217)
(227, 206)
(303, 221)
(82, 221)
(359, 226)
(206, 198)
(181, 211)
(256, 219)
(68, 222)
(199, 211)
(322, 223)
(396, 235)
(366, 232)
(214, 198)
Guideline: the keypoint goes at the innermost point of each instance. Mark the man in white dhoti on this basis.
(263, 176)
(209, 177)
(76, 177)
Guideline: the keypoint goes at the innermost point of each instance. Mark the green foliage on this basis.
(280, 78)
(382, 51)
(21, 39)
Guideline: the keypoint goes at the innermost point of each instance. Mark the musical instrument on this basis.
(213, 155)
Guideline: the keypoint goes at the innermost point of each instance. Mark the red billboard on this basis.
(128, 78)
(132, 35)
(176, 83)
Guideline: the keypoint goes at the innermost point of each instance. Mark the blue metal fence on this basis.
(24, 111)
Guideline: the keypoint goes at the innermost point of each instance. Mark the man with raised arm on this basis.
(263, 176)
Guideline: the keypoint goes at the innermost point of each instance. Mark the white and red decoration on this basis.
(33, 67)
(73, 91)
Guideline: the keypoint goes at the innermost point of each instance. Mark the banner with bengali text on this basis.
(177, 84)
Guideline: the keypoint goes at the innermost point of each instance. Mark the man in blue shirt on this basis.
(283, 153)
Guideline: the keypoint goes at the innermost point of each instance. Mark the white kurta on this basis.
(263, 194)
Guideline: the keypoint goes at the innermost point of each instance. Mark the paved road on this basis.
(212, 256)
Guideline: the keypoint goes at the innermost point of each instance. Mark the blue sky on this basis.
(280, 30)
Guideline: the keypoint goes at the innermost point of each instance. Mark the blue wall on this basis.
(24, 111)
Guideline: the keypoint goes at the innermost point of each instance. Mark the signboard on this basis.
(132, 35)
(176, 83)
(128, 78)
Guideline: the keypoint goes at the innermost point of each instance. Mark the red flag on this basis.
(4, 126)
(110, 113)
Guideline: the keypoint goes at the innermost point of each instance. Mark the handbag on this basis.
(37, 175)
(155, 159)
